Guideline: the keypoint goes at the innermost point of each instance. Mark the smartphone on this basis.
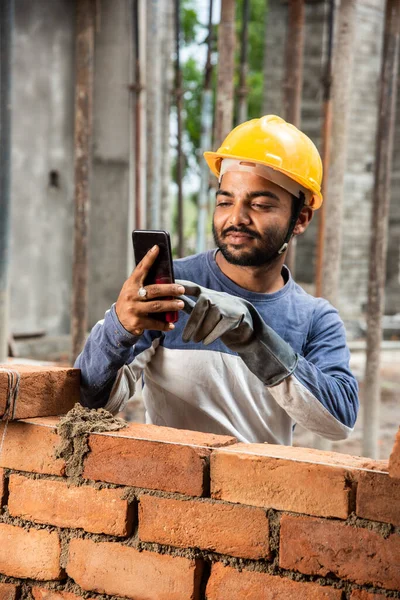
(162, 270)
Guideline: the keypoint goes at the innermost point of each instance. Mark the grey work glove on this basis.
(241, 328)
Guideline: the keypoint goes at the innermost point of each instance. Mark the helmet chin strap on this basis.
(295, 215)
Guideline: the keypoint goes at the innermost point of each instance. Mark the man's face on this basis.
(251, 219)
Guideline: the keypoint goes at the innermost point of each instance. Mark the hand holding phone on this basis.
(153, 272)
(161, 271)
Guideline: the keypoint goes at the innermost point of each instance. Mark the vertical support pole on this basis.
(292, 86)
(294, 62)
(139, 136)
(206, 141)
(85, 23)
(179, 94)
(379, 225)
(153, 112)
(326, 144)
(265, 104)
(143, 113)
(226, 63)
(137, 88)
(341, 89)
(6, 29)
(167, 95)
(334, 182)
(242, 91)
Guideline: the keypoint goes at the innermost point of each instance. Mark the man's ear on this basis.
(303, 221)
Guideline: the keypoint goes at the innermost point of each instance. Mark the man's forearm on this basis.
(108, 347)
(324, 402)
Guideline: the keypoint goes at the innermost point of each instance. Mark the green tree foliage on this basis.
(194, 33)
(193, 78)
(190, 24)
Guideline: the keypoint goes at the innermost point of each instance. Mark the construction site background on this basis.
(42, 175)
(43, 161)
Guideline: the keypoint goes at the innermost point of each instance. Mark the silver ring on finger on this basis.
(142, 292)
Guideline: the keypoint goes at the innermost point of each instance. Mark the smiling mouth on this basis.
(238, 237)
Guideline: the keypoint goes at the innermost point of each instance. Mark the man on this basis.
(255, 354)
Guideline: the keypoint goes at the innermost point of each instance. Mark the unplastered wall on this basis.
(92, 507)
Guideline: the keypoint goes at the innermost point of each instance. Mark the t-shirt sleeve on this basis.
(322, 393)
(106, 380)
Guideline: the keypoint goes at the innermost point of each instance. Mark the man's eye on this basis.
(224, 204)
(260, 206)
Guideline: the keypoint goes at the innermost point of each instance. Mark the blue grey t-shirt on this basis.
(209, 388)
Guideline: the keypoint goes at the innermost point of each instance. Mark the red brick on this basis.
(8, 591)
(43, 391)
(44, 594)
(115, 569)
(56, 503)
(394, 461)
(318, 546)
(226, 528)
(153, 457)
(30, 446)
(170, 435)
(2, 486)
(363, 595)
(299, 480)
(378, 498)
(29, 553)
(228, 583)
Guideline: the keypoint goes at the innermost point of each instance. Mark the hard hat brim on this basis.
(213, 160)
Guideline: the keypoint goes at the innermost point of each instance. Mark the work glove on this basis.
(241, 328)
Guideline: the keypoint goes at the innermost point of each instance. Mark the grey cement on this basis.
(42, 141)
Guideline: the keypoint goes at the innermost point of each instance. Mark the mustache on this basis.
(249, 232)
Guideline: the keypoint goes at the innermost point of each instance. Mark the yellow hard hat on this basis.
(273, 142)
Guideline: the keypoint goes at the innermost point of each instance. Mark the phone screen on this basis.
(162, 269)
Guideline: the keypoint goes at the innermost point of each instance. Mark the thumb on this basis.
(189, 304)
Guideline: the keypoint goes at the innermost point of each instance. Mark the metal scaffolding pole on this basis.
(137, 88)
(179, 101)
(243, 91)
(326, 143)
(85, 28)
(226, 66)
(293, 83)
(343, 55)
(322, 443)
(379, 225)
(205, 141)
(294, 62)
(6, 28)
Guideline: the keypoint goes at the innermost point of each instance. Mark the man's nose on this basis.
(240, 214)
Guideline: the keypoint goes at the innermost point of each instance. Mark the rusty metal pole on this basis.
(6, 28)
(205, 141)
(343, 57)
(294, 62)
(341, 89)
(85, 28)
(226, 66)
(179, 99)
(137, 89)
(379, 225)
(293, 82)
(326, 142)
(242, 91)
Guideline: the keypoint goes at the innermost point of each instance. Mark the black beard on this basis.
(265, 254)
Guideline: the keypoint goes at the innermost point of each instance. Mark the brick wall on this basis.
(152, 513)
